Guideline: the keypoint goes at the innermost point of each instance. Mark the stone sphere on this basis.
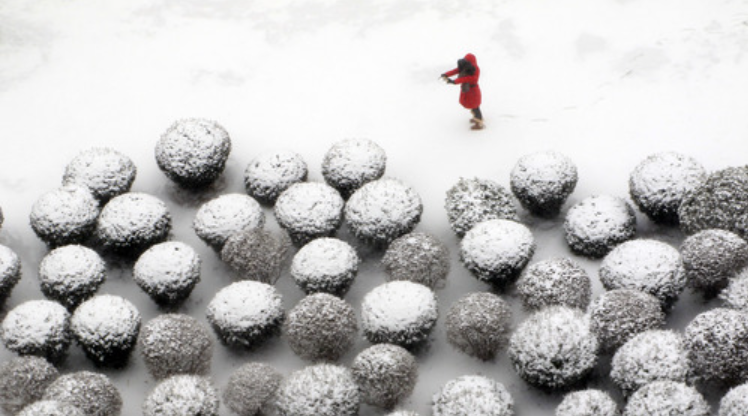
(256, 254)
(251, 389)
(660, 182)
(219, 218)
(666, 398)
(51, 408)
(735, 402)
(167, 272)
(385, 373)
(543, 181)
(71, 274)
(735, 294)
(321, 327)
(319, 390)
(597, 224)
(38, 327)
(587, 403)
(182, 395)
(93, 393)
(325, 265)
(557, 281)
(268, 175)
(350, 164)
(711, 257)
(193, 152)
(132, 222)
(618, 315)
(720, 202)
(65, 216)
(10, 272)
(419, 258)
(478, 324)
(105, 172)
(175, 344)
(473, 396)
(309, 210)
(717, 345)
(23, 380)
(472, 201)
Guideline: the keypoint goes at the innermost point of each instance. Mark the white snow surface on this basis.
(398, 306)
(68, 268)
(246, 304)
(324, 259)
(34, 323)
(105, 171)
(10, 264)
(168, 265)
(107, 318)
(599, 218)
(473, 395)
(218, 218)
(572, 76)
(497, 244)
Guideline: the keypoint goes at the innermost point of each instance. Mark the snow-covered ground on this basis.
(605, 82)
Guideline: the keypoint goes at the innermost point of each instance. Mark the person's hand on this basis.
(446, 79)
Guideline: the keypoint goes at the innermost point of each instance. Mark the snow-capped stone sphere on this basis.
(542, 181)
(473, 396)
(711, 257)
(472, 201)
(325, 265)
(193, 152)
(51, 408)
(554, 348)
(319, 390)
(269, 174)
(107, 328)
(175, 344)
(383, 210)
(351, 163)
(618, 315)
(93, 393)
(23, 380)
(104, 171)
(651, 266)
(589, 402)
(717, 345)
(71, 274)
(660, 182)
(182, 395)
(321, 327)
(10, 272)
(667, 398)
(557, 281)
(132, 222)
(598, 223)
(246, 313)
(251, 389)
(735, 402)
(478, 324)
(385, 374)
(720, 202)
(496, 251)
(66, 215)
(735, 294)
(649, 356)
(167, 272)
(219, 218)
(256, 254)
(399, 312)
(38, 327)
(419, 258)
(309, 210)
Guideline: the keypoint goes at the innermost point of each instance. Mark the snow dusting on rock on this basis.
(167, 272)
(667, 398)
(71, 274)
(542, 181)
(51, 408)
(182, 395)
(597, 224)
(105, 172)
(473, 396)
(325, 265)
(472, 201)
(735, 402)
(10, 272)
(93, 393)
(735, 294)
(65, 216)
(589, 402)
(37, 327)
(132, 222)
(319, 390)
(219, 218)
(269, 174)
(309, 210)
(351, 163)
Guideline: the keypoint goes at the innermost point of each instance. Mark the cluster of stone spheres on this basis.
(93, 216)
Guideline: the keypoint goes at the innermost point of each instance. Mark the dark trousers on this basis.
(476, 113)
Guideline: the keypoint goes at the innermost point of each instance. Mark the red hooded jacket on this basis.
(472, 97)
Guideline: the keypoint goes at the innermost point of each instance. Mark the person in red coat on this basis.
(467, 72)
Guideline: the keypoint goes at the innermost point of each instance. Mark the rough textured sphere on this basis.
(735, 402)
(51, 408)
(309, 210)
(325, 265)
(385, 373)
(717, 345)
(132, 222)
(473, 396)
(175, 344)
(107, 328)
(193, 152)
(219, 218)
(93, 393)
(351, 163)
(647, 265)
(554, 348)
(667, 398)
(65, 216)
(167, 272)
(71, 274)
(618, 315)
(246, 313)
(735, 294)
(403, 413)
(23, 380)
(251, 389)
(711, 258)
(256, 254)
(319, 390)
(321, 327)
(269, 174)
(382, 211)
(104, 171)
(419, 258)
(649, 356)
(587, 403)
(10, 272)
(660, 182)
(597, 224)
(478, 324)
(399, 312)
(496, 251)
(720, 202)
(542, 181)
(182, 395)
(558, 281)
(38, 327)
(471, 201)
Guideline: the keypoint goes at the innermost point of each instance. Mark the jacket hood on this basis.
(471, 58)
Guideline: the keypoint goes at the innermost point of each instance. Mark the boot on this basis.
(477, 124)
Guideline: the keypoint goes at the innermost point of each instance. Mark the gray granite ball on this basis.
(386, 374)
(667, 398)
(251, 389)
(618, 315)
(173, 344)
(219, 218)
(182, 395)
(256, 254)
(105, 172)
(597, 224)
(132, 222)
(720, 202)
(167, 272)
(325, 265)
(65, 216)
(107, 328)
(350, 164)
(23, 380)
(269, 174)
(419, 258)
(321, 327)
(38, 327)
(309, 210)
(319, 390)
(557, 281)
(717, 345)
(589, 402)
(478, 324)
(473, 396)
(93, 393)
(71, 274)
(472, 201)
(10, 272)
(542, 182)
(711, 258)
